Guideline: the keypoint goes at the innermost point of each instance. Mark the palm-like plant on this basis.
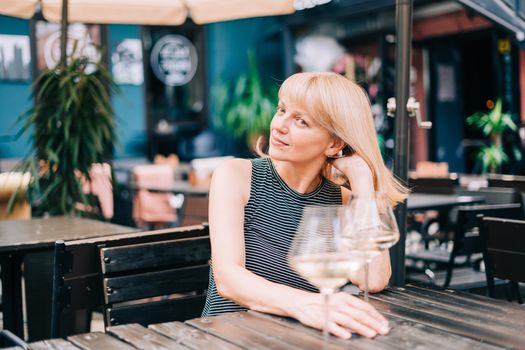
(73, 126)
(493, 124)
(247, 107)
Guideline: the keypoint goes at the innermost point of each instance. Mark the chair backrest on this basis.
(466, 233)
(76, 278)
(438, 185)
(510, 181)
(194, 210)
(504, 255)
(156, 281)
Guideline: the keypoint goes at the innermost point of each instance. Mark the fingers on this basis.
(353, 325)
(367, 308)
(339, 331)
(359, 316)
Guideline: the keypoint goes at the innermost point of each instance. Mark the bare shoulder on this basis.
(233, 175)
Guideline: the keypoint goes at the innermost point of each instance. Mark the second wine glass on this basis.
(371, 228)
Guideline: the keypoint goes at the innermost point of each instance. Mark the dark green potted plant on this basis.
(493, 124)
(247, 106)
(72, 125)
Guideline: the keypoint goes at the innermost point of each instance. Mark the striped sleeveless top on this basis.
(271, 217)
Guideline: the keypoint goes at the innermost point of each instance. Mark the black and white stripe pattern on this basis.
(271, 218)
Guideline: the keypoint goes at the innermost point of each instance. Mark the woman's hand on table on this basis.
(347, 314)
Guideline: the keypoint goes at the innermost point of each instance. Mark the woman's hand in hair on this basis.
(347, 315)
(357, 171)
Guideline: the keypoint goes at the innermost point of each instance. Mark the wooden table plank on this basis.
(242, 337)
(52, 344)
(191, 337)
(438, 292)
(474, 314)
(456, 325)
(297, 336)
(98, 341)
(143, 338)
(403, 335)
(502, 313)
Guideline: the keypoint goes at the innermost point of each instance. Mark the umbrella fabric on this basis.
(18, 8)
(148, 12)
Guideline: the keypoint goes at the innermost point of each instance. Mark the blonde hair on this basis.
(342, 107)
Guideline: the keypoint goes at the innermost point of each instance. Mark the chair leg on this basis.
(450, 269)
(516, 287)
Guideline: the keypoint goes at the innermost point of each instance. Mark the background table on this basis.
(424, 201)
(420, 317)
(34, 240)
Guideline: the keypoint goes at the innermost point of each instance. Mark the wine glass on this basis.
(318, 253)
(371, 228)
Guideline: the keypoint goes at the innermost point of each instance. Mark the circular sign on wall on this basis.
(174, 60)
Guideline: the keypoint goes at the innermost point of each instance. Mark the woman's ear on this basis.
(335, 147)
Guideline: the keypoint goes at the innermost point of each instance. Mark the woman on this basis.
(255, 206)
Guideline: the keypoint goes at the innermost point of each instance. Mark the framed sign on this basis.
(126, 62)
(81, 37)
(15, 57)
(174, 60)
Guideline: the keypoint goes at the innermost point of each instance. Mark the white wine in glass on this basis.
(318, 253)
(370, 228)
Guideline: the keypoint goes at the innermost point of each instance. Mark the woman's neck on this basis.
(302, 178)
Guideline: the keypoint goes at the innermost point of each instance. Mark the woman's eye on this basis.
(301, 122)
(280, 110)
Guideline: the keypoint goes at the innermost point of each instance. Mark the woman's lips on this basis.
(277, 142)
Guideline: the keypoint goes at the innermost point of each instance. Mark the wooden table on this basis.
(420, 317)
(32, 242)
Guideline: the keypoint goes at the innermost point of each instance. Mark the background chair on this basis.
(155, 282)
(436, 185)
(10, 182)
(504, 252)
(153, 208)
(77, 286)
(509, 181)
(458, 271)
(467, 240)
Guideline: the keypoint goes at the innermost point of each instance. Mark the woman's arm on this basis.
(229, 193)
(362, 182)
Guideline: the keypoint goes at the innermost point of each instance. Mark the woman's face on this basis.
(296, 136)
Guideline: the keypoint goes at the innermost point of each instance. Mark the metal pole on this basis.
(403, 56)
(63, 38)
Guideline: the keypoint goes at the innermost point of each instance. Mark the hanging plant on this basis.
(72, 126)
(493, 124)
(246, 108)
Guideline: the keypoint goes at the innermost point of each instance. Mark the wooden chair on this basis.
(436, 185)
(194, 210)
(77, 285)
(504, 252)
(467, 243)
(466, 232)
(155, 282)
(509, 181)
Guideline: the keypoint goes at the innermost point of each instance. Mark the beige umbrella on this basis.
(148, 12)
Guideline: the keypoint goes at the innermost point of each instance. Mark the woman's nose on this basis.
(280, 123)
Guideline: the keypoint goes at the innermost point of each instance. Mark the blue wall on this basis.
(228, 45)
(129, 104)
(14, 98)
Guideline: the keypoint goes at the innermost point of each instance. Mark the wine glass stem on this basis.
(366, 280)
